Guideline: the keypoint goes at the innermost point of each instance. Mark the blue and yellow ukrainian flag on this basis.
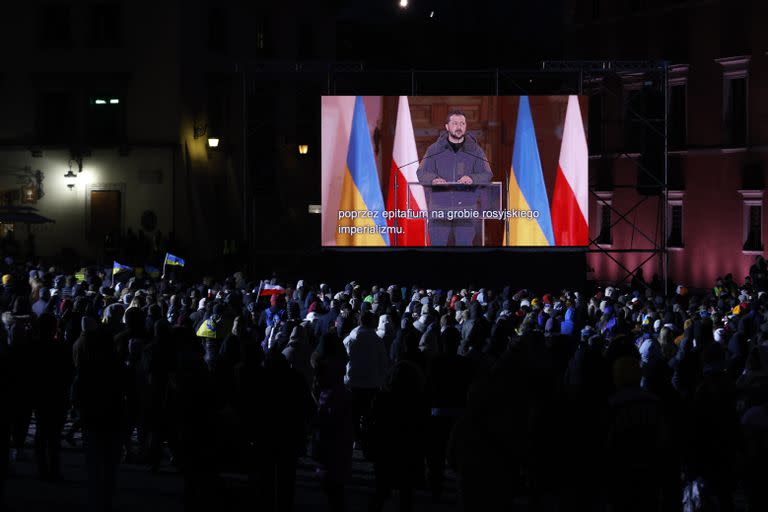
(526, 191)
(117, 268)
(361, 190)
(152, 272)
(172, 260)
(207, 329)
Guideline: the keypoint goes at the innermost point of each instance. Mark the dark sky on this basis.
(460, 34)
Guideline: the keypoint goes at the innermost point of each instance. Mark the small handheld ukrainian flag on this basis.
(172, 260)
(207, 329)
(117, 268)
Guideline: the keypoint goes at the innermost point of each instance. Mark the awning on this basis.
(22, 215)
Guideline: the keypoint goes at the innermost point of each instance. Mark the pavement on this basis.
(141, 490)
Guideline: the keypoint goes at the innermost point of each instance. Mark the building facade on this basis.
(714, 223)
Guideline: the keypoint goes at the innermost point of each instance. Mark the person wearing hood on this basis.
(448, 377)
(429, 343)
(327, 319)
(298, 353)
(52, 377)
(366, 368)
(280, 332)
(288, 412)
(16, 332)
(455, 157)
(41, 304)
(474, 331)
(399, 434)
(423, 320)
(334, 431)
(568, 325)
(386, 331)
(98, 393)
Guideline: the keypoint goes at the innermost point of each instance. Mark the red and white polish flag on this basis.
(570, 198)
(271, 289)
(402, 171)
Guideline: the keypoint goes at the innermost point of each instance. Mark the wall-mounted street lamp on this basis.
(71, 176)
(201, 130)
(303, 149)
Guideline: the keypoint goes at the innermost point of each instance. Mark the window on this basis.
(604, 205)
(753, 220)
(735, 112)
(754, 229)
(54, 26)
(106, 26)
(678, 117)
(675, 219)
(218, 37)
(56, 121)
(735, 76)
(104, 118)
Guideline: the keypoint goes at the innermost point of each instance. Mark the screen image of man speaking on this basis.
(450, 169)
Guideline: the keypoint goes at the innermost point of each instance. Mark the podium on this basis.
(456, 199)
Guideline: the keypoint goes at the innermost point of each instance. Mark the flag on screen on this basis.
(361, 189)
(569, 200)
(174, 261)
(405, 162)
(152, 272)
(117, 268)
(526, 190)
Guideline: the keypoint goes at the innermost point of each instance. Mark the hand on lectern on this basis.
(465, 180)
(438, 181)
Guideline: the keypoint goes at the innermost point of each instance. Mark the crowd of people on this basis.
(625, 398)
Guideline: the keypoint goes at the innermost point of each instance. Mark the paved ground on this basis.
(141, 490)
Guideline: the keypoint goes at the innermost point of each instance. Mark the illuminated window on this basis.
(104, 118)
(735, 97)
(604, 207)
(675, 219)
(753, 220)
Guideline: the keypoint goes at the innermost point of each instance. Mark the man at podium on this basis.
(450, 171)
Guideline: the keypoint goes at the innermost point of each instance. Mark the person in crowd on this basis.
(398, 435)
(482, 378)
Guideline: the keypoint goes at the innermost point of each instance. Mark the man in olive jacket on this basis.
(456, 158)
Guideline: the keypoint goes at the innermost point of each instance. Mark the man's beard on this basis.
(457, 135)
